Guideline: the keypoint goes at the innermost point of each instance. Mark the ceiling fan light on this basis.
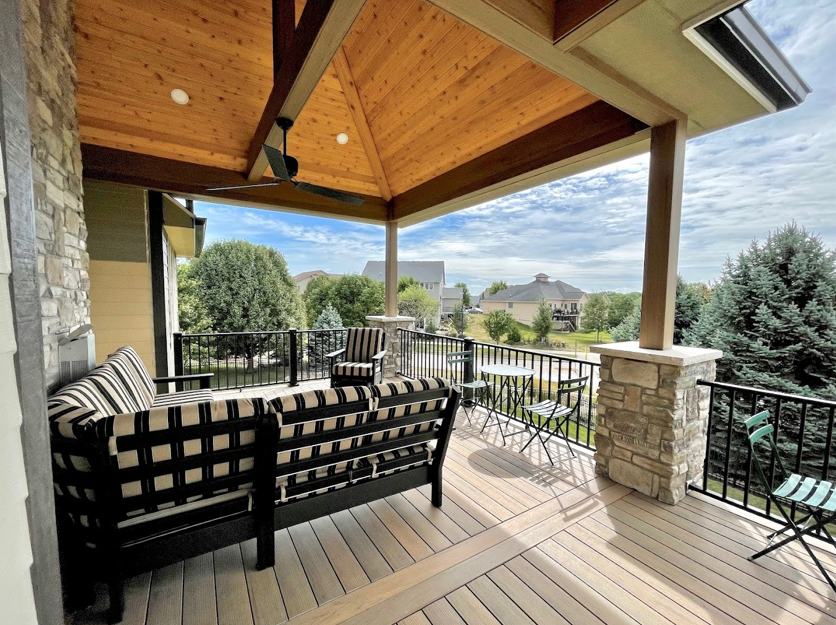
(342, 138)
(180, 96)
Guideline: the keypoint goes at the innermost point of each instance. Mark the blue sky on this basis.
(740, 184)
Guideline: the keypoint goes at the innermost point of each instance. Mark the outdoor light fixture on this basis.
(180, 96)
(342, 138)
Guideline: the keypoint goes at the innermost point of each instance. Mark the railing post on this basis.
(468, 372)
(294, 358)
(177, 339)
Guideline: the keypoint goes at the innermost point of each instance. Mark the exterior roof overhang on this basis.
(447, 103)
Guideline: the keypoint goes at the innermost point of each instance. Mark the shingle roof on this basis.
(535, 291)
(453, 292)
(421, 270)
(316, 272)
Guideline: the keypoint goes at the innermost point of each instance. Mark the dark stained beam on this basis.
(284, 23)
(322, 27)
(575, 20)
(592, 127)
(190, 179)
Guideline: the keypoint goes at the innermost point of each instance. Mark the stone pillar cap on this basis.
(385, 318)
(678, 355)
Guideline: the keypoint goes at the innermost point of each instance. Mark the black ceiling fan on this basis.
(285, 169)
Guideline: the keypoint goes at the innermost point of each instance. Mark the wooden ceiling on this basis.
(418, 92)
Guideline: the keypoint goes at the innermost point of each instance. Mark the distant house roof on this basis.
(421, 270)
(452, 292)
(541, 288)
(312, 274)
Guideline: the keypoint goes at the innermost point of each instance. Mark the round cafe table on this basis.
(512, 384)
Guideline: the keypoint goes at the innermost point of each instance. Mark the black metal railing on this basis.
(424, 354)
(803, 435)
(243, 359)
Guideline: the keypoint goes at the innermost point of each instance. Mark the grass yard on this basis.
(476, 329)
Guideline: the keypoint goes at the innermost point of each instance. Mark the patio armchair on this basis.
(817, 498)
(360, 362)
(553, 414)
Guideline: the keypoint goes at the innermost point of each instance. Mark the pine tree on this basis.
(322, 343)
(773, 314)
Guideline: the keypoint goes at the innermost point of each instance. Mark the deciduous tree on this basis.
(461, 320)
(416, 302)
(498, 323)
(354, 296)
(595, 315)
(465, 293)
(542, 322)
(499, 285)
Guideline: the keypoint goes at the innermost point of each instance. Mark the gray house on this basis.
(521, 300)
(430, 276)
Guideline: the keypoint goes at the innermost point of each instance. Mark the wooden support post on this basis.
(661, 247)
(391, 270)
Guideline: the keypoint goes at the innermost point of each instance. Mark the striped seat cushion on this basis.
(363, 343)
(359, 369)
(183, 397)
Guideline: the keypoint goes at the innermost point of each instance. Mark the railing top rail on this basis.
(824, 403)
(204, 334)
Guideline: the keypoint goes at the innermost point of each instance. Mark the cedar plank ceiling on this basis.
(435, 92)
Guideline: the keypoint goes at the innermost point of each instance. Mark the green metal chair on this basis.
(554, 413)
(476, 388)
(816, 497)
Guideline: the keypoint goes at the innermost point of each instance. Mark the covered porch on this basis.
(516, 541)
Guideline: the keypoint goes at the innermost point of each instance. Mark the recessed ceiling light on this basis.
(180, 96)
(342, 138)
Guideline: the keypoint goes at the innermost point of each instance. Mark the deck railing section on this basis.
(245, 359)
(424, 354)
(803, 435)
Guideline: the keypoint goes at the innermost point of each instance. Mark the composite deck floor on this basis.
(516, 542)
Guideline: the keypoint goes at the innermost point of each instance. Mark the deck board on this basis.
(516, 541)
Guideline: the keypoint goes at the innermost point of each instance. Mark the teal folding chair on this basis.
(553, 414)
(816, 497)
(455, 360)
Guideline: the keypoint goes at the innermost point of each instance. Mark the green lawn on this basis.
(555, 339)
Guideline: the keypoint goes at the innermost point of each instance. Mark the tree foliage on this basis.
(690, 300)
(353, 296)
(773, 314)
(542, 322)
(404, 282)
(465, 293)
(322, 343)
(461, 320)
(595, 316)
(496, 287)
(498, 323)
(194, 318)
(622, 306)
(416, 302)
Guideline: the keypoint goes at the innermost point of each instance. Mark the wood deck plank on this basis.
(504, 493)
(485, 466)
(418, 522)
(438, 516)
(468, 606)
(165, 601)
(415, 619)
(199, 600)
(346, 566)
(442, 613)
(374, 564)
(324, 581)
(231, 587)
(263, 588)
(502, 607)
(384, 540)
(406, 536)
(537, 609)
(137, 591)
(477, 496)
(296, 590)
(470, 507)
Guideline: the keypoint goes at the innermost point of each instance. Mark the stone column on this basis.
(390, 325)
(652, 418)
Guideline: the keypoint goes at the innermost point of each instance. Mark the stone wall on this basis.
(652, 419)
(390, 325)
(49, 43)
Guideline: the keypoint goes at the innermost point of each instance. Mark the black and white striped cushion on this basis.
(363, 343)
(183, 397)
(358, 369)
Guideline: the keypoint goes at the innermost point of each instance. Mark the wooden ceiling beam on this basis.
(192, 180)
(501, 19)
(284, 24)
(322, 27)
(592, 127)
(355, 105)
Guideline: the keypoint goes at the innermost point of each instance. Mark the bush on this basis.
(514, 335)
(430, 328)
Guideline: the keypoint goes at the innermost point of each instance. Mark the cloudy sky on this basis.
(740, 184)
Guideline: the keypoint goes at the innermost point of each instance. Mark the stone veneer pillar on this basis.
(652, 418)
(390, 325)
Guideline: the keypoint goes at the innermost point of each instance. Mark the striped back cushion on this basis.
(363, 343)
(116, 386)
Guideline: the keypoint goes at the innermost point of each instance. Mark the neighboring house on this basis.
(303, 279)
(430, 276)
(521, 301)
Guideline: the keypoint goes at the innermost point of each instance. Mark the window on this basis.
(510, 304)
(574, 307)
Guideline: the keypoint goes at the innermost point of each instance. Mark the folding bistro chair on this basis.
(454, 360)
(557, 411)
(816, 497)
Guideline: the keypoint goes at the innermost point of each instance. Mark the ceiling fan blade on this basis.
(276, 160)
(329, 193)
(245, 186)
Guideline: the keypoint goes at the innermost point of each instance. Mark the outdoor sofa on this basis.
(139, 487)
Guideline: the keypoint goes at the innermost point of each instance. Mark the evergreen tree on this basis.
(496, 287)
(628, 329)
(322, 343)
(773, 314)
(465, 293)
(596, 315)
(542, 322)
(690, 299)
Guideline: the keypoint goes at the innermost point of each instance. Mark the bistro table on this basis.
(509, 388)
